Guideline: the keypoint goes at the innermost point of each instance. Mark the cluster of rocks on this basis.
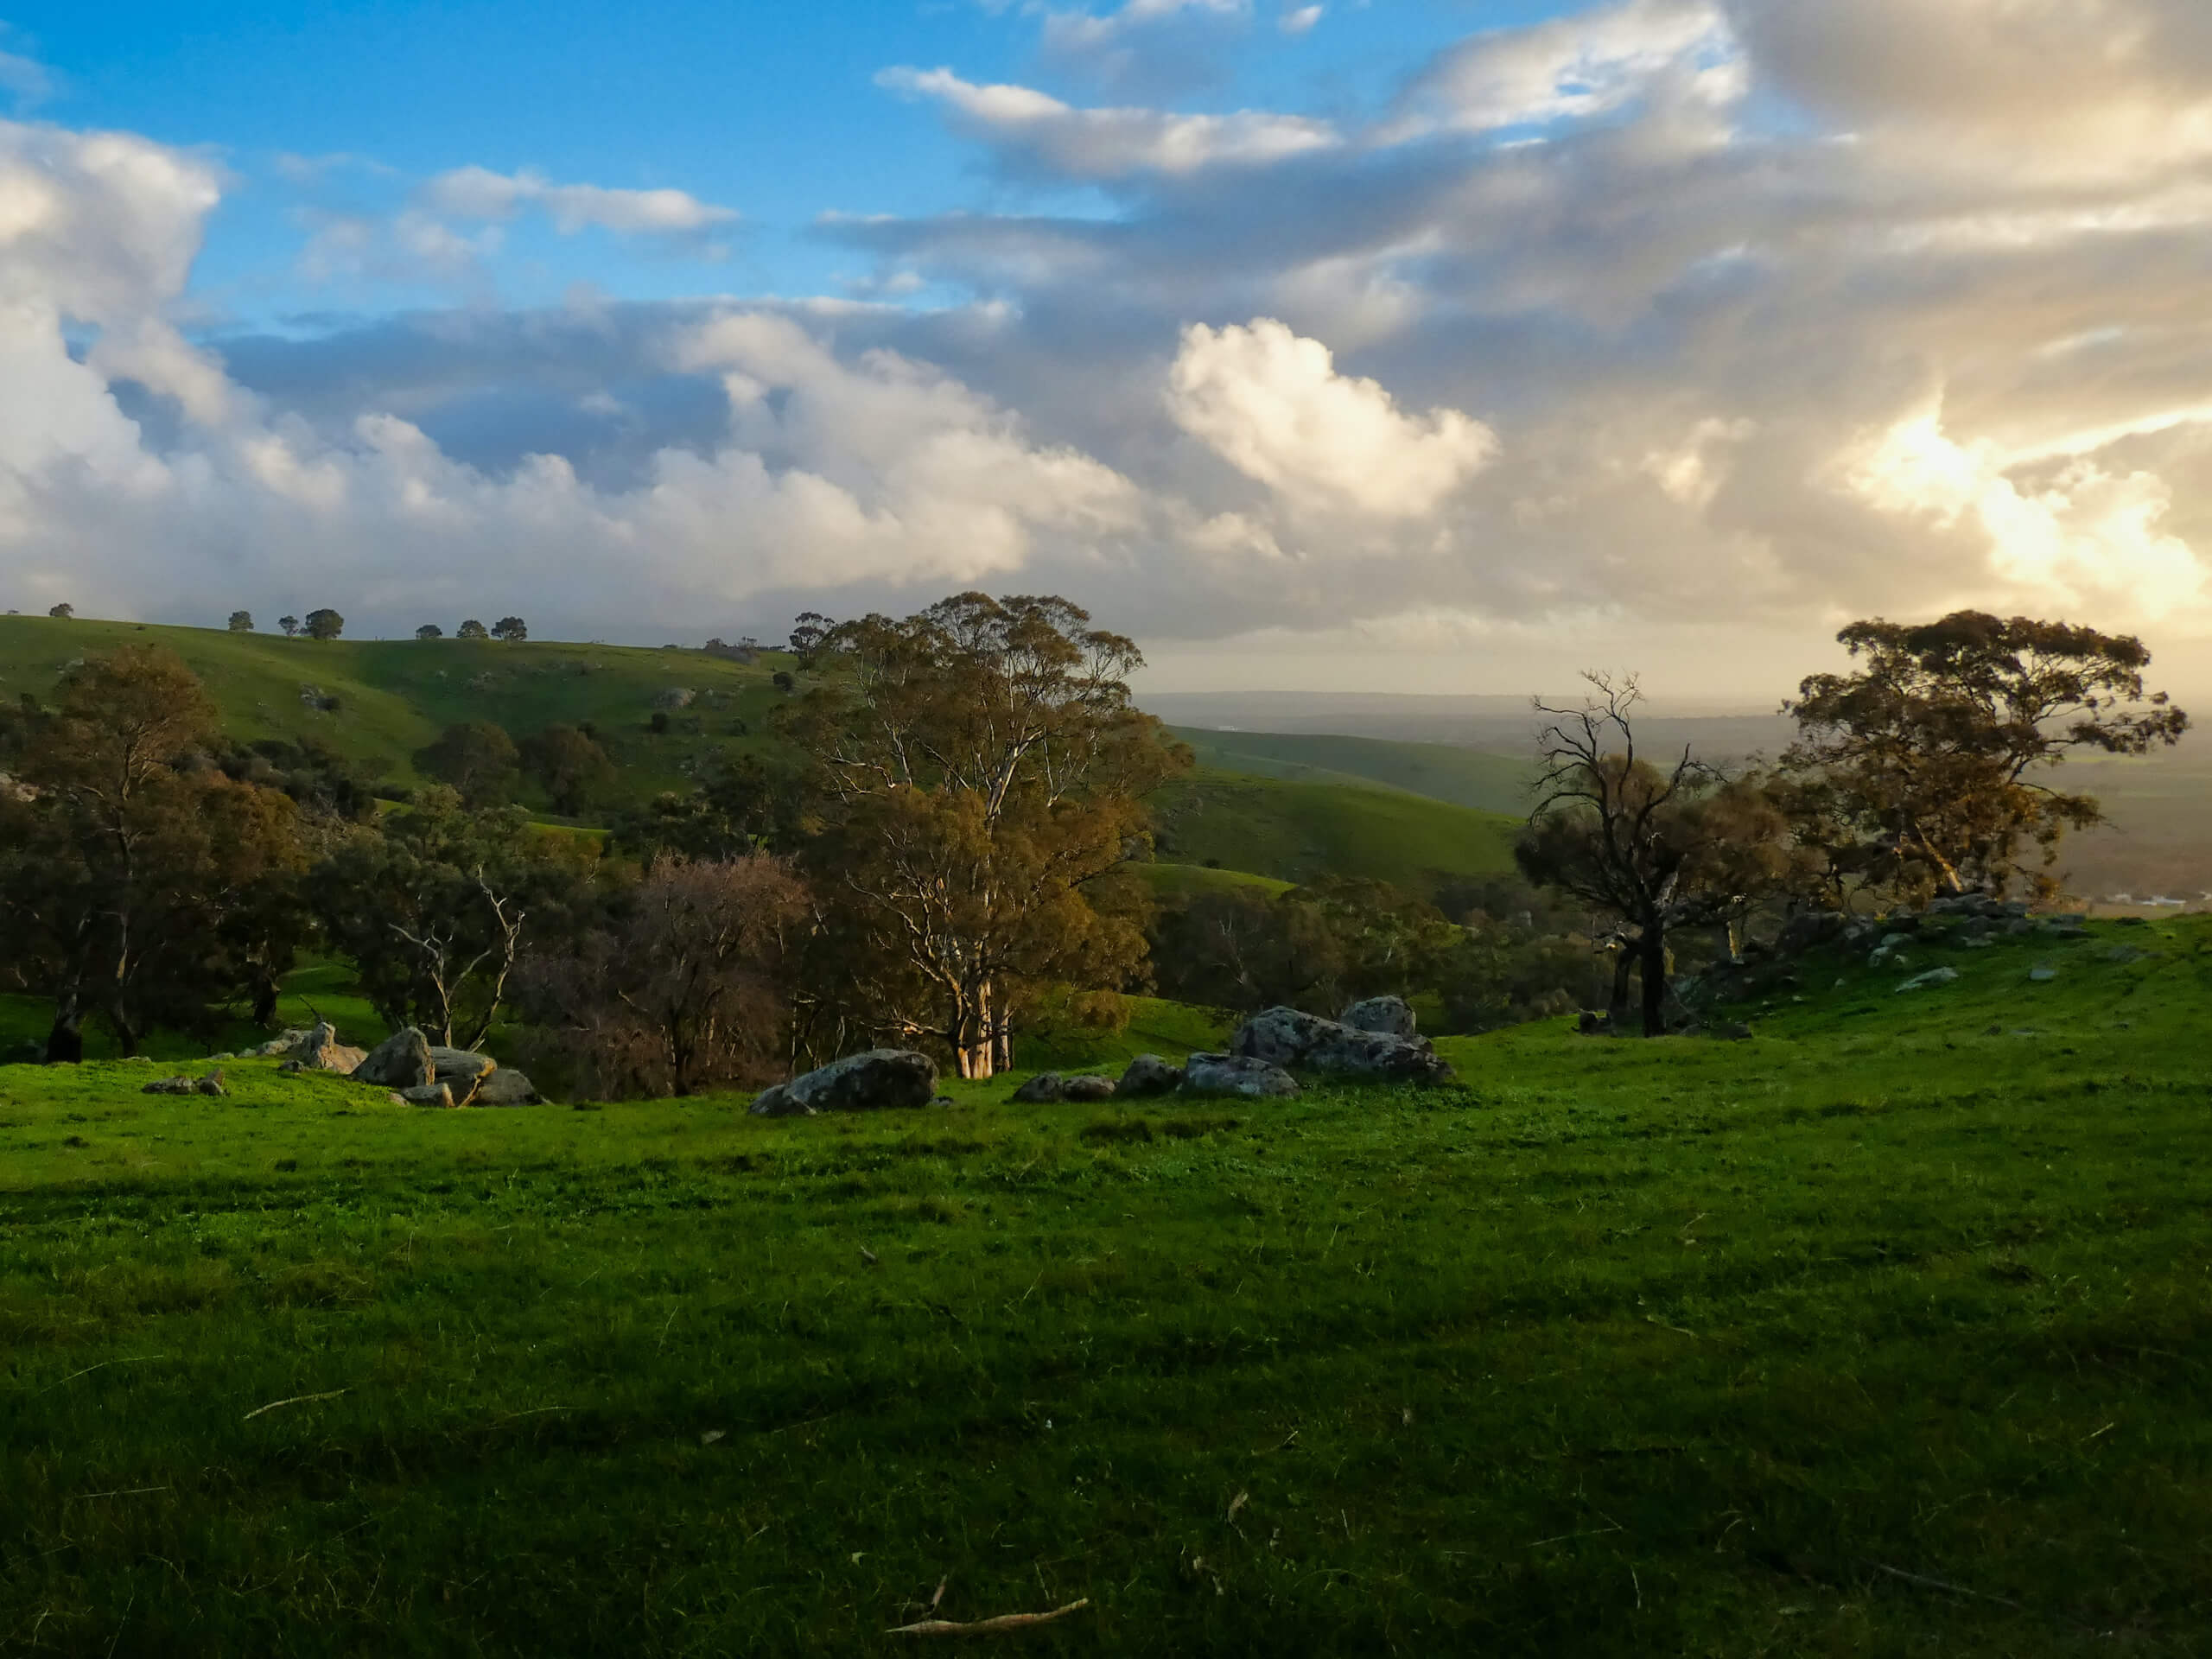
(1375, 1040)
(210, 1084)
(415, 1070)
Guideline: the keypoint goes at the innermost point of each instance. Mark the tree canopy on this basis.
(1924, 767)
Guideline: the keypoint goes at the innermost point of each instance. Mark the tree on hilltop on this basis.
(513, 629)
(289, 623)
(1918, 770)
(63, 611)
(325, 624)
(430, 631)
(472, 629)
(241, 622)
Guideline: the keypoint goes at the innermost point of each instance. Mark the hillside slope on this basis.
(393, 696)
(1296, 831)
(1471, 777)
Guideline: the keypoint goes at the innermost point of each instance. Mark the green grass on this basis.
(1674, 1347)
(1488, 783)
(1178, 883)
(394, 696)
(1295, 831)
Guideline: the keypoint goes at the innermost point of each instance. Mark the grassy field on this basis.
(395, 696)
(1488, 783)
(1884, 1331)
(1295, 831)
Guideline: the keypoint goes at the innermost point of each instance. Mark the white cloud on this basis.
(1029, 127)
(1299, 21)
(1580, 65)
(1273, 405)
(477, 193)
(1143, 46)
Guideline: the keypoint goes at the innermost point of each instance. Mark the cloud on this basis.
(1299, 21)
(1030, 129)
(1274, 407)
(477, 193)
(1580, 65)
(1143, 46)
(1774, 333)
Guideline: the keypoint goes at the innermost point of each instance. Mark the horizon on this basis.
(1347, 347)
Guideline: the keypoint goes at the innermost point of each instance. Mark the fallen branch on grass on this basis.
(297, 1400)
(1003, 1622)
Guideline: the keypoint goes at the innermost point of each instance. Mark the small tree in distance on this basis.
(241, 622)
(65, 612)
(325, 624)
(513, 629)
(289, 623)
(430, 631)
(472, 629)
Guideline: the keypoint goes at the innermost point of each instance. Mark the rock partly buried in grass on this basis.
(1284, 1036)
(167, 1086)
(425, 1094)
(1388, 1016)
(881, 1078)
(314, 1049)
(461, 1069)
(1932, 977)
(401, 1061)
(1051, 1085)
(1148, 1074)
(506, 1087)
(211, 1085)
(1236, 1074)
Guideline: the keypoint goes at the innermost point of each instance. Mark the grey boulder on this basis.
(1933, 977)
(1148, 1074)
(1390, 1016)
(1044, 1086)
(315, 1049)
(1051, 1085)
(506, 1087)
(167, 1086)
(1285, 1037)
(401, 1061)
(879, 1078)
(1087, 1087)
(1236, 1074)
(461, 1069)
(426, 1094)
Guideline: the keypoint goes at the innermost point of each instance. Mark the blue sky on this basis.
(771, 109)
(1413, 345)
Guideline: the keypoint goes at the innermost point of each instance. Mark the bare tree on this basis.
(1650, 847)
(445, 964)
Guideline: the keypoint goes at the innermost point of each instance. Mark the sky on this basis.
(1405, 346)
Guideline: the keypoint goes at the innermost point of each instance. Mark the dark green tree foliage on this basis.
(241, 622)
(289, 623)
(64, 612)
(472, 629)
(325, 624)
(572, 769)
(1922, 769)
(513, 629)
(476, 759)
(138, 884)
(433, 908)
(430, 631)
(746, 807)
(325, 783)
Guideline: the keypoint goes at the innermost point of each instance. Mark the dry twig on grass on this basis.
(297, 1400)
(1003, 1622)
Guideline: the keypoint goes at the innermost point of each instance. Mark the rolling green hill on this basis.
(1488, 783)
(1882, 1332)
(393, 696)
(1295, 831)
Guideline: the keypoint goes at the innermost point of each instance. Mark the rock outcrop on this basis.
(425, 1094)
(461, 1069)
(315, 1049)
(1051, 1085)
(506, 1087)
(1236, 1074)
(1285, 1038)
(1148, 1074)
(874, 1081)
(401, 1061)
(1390, 1016)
